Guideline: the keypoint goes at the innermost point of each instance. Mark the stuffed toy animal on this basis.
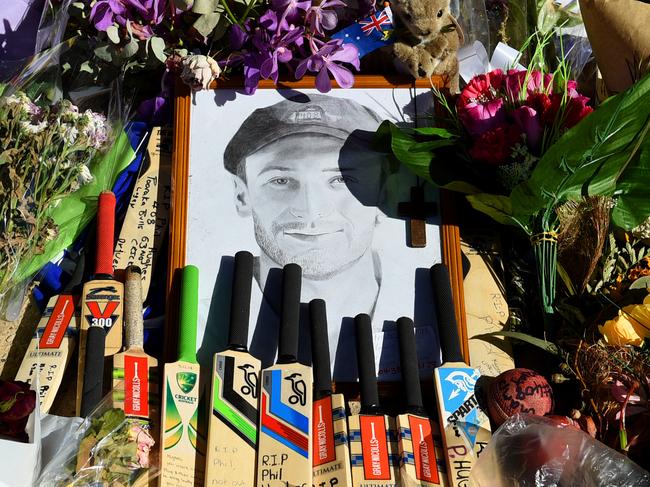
(428, 37)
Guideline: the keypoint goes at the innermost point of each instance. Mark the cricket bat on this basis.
(232, 432)
(284, 451)
(373, 442)
(329, 426)
(101, 312)
(50, 349)
(465, 427)
(134, 372)
(181, 462)
(420, 445)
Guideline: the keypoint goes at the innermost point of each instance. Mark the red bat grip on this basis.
(105, 233)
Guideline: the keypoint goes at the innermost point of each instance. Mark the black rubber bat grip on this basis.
(92, 391)
(408, 357)
(320, 349)
(240, 301)
(446, 314)
(366, 365)
(290, 314)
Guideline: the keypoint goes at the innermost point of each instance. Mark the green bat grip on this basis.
(188, 314)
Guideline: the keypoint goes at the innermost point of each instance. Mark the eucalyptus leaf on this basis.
(537, 342)
(641, 283)
(204, 6)
(183, 4)
(113, 34)
(220, 30)
(157, 47)
(105, 53)
(206, 23)
(130, 49)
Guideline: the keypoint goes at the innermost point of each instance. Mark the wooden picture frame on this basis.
(449, 231)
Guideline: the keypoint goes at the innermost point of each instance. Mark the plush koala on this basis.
(428, 37)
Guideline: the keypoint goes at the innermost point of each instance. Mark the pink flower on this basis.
(495, 147)
(535, 81)
(480, 106)
(529, 122)
(144, 440)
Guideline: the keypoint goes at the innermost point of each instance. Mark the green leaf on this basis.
(204, 6)
(632, 191)
(537, 342)
(439, 132)
(220, 30)
(157, 47)
(641, 283)
(497, 207)
(183, 4)
(589, 158)
(130, 49)
(206, 23)
(105, 53)
(113, 34)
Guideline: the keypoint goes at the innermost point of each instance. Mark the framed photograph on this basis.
(292, 175)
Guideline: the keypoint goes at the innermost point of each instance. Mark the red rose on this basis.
(576, 110)
(17, 401)
(495, 147)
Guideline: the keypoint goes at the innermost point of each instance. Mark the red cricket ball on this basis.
(519, 391)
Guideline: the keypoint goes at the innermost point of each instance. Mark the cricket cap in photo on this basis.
(302, 114)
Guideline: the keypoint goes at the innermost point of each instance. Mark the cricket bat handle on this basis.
(320, 348)
(92, 391)
(188, 314)
(366, 364)
(409, 364)
(134, 322)
(290, 316)
(447, 327)
(105, 233)
(240, 301)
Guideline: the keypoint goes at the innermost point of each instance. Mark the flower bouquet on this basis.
(569, 185)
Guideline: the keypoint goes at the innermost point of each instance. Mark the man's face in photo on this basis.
(313, 202)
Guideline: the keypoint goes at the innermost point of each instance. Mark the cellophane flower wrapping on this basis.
(108, 448)
(55, 158)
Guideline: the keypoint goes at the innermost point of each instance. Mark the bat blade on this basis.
(465, 427)
(232, 434)
(420, 445)
(373, 442)
(331, 455)
(284, 451)
(181, 445)
(49, 350)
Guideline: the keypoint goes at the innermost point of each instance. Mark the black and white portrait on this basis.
(293, 177)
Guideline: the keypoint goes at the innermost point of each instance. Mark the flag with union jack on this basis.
(370, 33)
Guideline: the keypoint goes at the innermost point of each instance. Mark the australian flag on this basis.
(370, 33)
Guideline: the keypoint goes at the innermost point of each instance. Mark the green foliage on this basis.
(537, 342)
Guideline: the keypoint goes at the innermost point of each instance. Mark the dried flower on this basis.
(199, 71)
(622, 331)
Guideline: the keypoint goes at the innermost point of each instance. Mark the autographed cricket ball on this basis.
(519, 391)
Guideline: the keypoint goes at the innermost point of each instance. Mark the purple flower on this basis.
(290, 8)
(280, 51)
(325, 61)
(530, 123)
(320, 19)
(108, 12)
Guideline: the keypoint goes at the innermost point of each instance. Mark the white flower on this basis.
(94, 129)
(84, 176)
(32, 128)
(199, 71)
(69, 133)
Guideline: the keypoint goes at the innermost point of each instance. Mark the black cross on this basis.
(417, 210)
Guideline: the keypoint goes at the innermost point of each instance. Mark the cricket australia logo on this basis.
(463, 383)
(299, 389)
(250, 379)
(186, 381)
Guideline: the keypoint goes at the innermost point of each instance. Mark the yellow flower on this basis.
(639, 315)
(646, 300)
(625, 330)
